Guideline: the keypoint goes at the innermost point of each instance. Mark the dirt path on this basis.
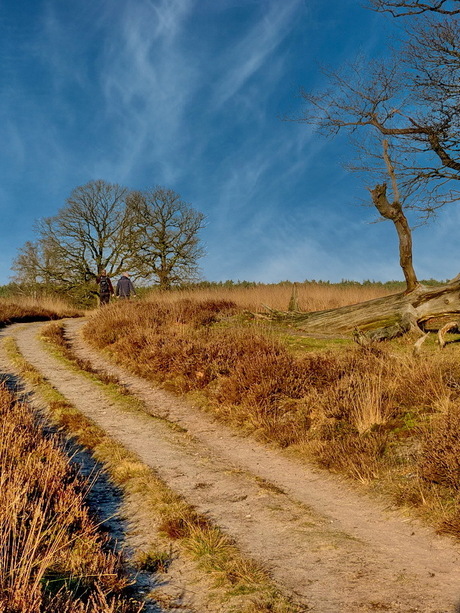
(323, 542)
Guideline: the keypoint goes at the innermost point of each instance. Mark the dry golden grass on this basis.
(23, 308)
(310, 296)
(52, 557)
(374, 414)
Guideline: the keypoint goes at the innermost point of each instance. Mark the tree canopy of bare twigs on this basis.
(403, 114)
(104, 226)
(89, 234)
(412, 101)
(408, 105)
(166, 234)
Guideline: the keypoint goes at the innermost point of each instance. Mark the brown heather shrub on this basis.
(139, 320)
(203, 313)
(267, 372)
(22, 309)
(440, 456)
(274, 393)
(343, 450)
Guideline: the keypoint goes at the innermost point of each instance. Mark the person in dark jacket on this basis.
(125, 287)
(105, 288)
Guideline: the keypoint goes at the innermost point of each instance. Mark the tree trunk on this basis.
(382, 318)
(394, 212)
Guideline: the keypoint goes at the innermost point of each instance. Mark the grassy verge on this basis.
(378, 415)
(52, 557)
(238, 584)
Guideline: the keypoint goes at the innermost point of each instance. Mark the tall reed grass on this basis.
(373, 413)
(309, 296)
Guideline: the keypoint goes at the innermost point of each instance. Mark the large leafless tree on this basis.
(413, 100)
(104, 226)
(409, 106)
(167, 236)
(89, 234)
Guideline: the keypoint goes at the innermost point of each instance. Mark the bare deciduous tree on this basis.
(413, 100)
(153, 234)
(166, 233)
(37, 264)
(417, 108)
(89, 234)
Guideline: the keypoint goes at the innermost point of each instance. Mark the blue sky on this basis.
(190, 95)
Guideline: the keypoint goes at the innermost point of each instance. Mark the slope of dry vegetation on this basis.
(22, 309)
(376, 414)
(52, 557)
(234, 578)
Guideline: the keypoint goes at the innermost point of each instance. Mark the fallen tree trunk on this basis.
(382, 318)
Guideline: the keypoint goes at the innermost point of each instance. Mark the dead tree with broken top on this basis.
(394, 211)
(412, 102)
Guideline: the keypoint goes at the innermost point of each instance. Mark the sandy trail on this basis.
(325, 543)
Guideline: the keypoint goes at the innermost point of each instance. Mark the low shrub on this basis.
(23, 309)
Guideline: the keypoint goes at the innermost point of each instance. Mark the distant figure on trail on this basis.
(105, 288)
(125, 287)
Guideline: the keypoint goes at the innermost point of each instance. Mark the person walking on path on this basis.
(105, 288)
(125, 288)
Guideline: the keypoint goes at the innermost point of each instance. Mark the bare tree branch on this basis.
(402, 8)
(414, 98)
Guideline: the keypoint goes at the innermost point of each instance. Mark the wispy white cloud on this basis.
(255, 49)
(268, 176)
(152, 85)
(147, 82)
